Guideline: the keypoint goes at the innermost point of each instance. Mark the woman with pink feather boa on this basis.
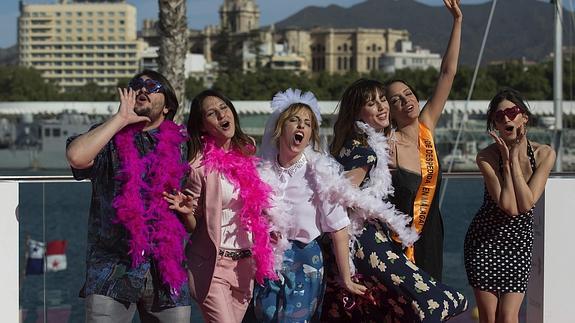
(223, 206)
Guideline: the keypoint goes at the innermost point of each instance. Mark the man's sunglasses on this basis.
(151, 86)
(511, 113)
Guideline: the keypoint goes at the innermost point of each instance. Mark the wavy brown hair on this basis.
(240, 140)
(353, 99)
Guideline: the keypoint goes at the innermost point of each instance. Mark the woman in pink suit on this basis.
(223, 206)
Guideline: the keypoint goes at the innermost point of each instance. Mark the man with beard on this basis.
(135, 241)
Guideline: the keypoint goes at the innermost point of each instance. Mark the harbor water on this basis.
(59, 210)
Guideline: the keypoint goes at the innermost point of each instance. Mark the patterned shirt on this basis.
(354, 154)
(108, 264)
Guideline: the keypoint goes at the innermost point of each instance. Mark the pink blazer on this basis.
(202, 250)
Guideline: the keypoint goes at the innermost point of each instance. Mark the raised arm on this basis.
(83, 150)
(499, 185)
(434, 107)
(527, 193)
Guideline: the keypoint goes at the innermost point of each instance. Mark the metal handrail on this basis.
(70, 178)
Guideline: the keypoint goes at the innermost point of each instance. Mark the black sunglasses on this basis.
(151, 86)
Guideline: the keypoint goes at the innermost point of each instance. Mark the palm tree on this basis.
(173, 29)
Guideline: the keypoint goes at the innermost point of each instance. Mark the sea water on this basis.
(51, 211)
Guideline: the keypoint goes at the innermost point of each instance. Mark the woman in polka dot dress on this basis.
(499, 241)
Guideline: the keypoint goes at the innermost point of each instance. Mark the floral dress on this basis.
(398, 290)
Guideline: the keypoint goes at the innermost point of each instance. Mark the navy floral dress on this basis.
(398, 290)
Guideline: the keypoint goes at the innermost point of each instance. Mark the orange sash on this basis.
(429, 174)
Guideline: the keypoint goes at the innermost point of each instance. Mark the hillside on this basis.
(520, 28)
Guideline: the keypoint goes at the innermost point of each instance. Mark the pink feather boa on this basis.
(154, 229)
(241, 171)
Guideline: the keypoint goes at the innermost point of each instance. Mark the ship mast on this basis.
(558, 85)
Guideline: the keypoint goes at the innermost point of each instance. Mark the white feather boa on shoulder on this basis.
(369, 202)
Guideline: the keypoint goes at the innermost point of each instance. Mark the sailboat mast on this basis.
(558, 85)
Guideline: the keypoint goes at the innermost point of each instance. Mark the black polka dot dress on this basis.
(498, 247)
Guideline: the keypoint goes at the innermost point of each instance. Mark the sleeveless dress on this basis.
(401, 291)
(498, 247)
(429, 248)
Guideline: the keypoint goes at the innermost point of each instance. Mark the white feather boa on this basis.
(279, 213)
(371, 201)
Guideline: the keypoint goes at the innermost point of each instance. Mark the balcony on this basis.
(47, 208)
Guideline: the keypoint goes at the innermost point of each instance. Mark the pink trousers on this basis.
(230, 291)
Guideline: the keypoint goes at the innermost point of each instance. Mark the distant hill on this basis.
(520, 28)
(9, 56)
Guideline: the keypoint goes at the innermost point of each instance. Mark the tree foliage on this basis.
(534, 81)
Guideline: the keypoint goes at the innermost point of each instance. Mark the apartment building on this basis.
(75, 42)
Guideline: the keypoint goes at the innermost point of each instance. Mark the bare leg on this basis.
(509, 305)
(487, 305)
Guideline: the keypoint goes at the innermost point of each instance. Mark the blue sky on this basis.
(200, 12)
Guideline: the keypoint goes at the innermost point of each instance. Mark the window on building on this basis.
(345, 47)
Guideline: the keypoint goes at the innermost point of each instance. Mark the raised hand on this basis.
(520, 139)
(127, 104)
(454, 9)
(179, 202)
(501, 145)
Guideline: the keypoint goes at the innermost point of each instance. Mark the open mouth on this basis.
(225, 125)
(509, 128)
(298, 138)
(142, 98)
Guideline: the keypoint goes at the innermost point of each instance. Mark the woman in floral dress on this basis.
(398, 291)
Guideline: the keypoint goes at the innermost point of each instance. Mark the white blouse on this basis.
(233, 236)
(310, 216)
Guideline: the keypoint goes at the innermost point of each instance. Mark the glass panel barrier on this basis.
(57, 209)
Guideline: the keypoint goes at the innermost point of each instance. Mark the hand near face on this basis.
(179, 202)
(502, 146)
(519, 140)
(454, 9)
(127, 104)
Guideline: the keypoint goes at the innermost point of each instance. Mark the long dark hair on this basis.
(353, 99)
(170, 98)
(240, 140)
(508, 94)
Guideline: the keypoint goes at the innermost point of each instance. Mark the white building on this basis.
(408, 57)
(195, 65)
(75, 42)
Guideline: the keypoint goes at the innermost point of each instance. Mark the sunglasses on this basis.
(151, 86)
(510, 113)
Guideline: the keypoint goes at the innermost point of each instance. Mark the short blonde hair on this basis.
(291, 111)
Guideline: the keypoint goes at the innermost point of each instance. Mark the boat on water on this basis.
(39, 144)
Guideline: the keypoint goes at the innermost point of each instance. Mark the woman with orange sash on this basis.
(398, 291)
(415, 169)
